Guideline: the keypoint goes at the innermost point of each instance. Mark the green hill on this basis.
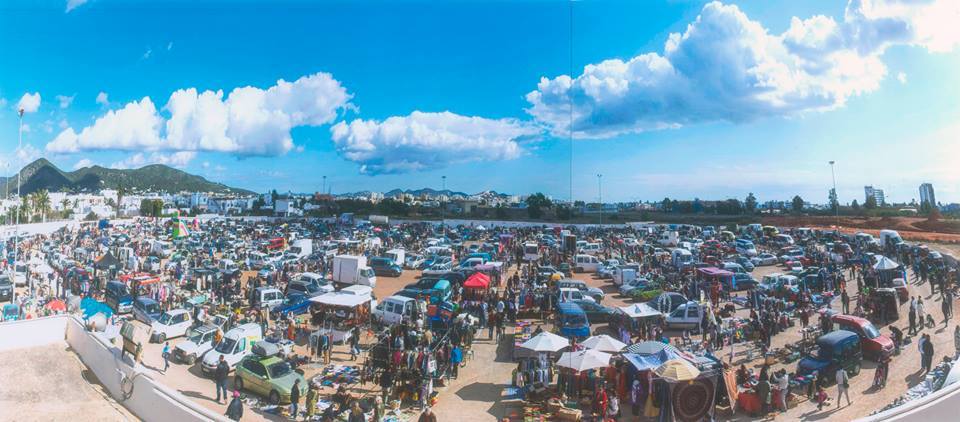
(42, 174)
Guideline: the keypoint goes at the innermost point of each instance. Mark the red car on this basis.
(873, 344)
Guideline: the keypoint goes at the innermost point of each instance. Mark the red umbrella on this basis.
(56, 306)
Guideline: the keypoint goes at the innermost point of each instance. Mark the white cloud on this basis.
(249, 121)
(177, 159)
(902, 77)
(65, 100)
(73, 4)
(146, 54)
(424, 141)
(83, 162)
(726, 67)
(170, 46)
(27, 154)
(29, 103)
(102, 99)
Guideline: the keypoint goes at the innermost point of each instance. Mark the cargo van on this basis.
(572, 321)
(531, 252)
(669, 239)
(584, 263)
(687, 316)
(398, 256)
(236, 344)
(681, 258)
(118, 297)
(591, 249)
(267, 297)
(394, 309)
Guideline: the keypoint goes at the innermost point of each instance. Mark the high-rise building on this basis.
(876, 194)
(927, 196)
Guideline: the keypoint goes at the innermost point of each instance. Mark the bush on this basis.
(645, 295)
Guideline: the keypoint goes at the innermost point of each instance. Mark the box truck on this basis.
(352, 269)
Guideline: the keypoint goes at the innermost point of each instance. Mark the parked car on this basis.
(385, 267)
(6, 288)
(837, 349)
(146, 310)
(745, 281)
(764, 259)
(596, 313)
(294, 304)
(632, 285)
(271, 377)
(170, 324)
(873, 344)
(198, 342)
(593, 292)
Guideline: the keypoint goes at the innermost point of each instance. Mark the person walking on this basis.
(945, 307)
(166, 356)
(295, 399)
(355, 344)
(235, 408)
(312, 398)
(843, 384)
(220, 377)
(921, 313)
(845, 299)
(913, 318)
(927, 350)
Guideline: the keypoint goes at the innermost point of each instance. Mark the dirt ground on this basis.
(50, 383)
(475, 395)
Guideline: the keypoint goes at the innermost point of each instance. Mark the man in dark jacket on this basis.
(220, 378)
(927, 354)
(235, 409)
(294, 398)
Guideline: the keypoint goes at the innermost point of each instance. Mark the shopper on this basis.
(235, 408)
(843, 384)
(220, 378)
(166, 356)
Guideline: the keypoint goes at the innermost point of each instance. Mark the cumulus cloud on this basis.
(726, 67)
(423, 141)
(73, 4)
(177, 159)
(248, 121)
(102, 99)
(65, 100)
(29, 103)
(902, 77)
(27, 154)
(83, 162)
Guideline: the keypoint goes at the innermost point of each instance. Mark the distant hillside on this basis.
(42, 174)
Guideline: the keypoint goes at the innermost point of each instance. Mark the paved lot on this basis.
(49, 383)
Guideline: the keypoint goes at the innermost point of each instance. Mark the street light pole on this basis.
(323, 191)
(443, 220)
(600, 194)
(836, 197)
(16, 229)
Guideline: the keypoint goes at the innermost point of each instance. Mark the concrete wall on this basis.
(940, 405)
(148, 399)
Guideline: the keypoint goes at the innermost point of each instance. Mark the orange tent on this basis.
(477, 281)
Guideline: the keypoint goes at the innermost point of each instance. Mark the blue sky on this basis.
(384, 94)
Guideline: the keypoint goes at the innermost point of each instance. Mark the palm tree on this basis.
(42, 203)
(65, 204)
(25, 209)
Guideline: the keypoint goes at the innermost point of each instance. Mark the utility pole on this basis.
(443, 220)
(570, 98)
(836, 197)
(600, 194)
(16, 229)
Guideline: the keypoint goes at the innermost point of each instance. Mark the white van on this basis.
(227, 266)
(681, 258)
(686, 316)
(531, 252)
(398, 256)
(590, 248)
(568, 294)
(236, 344)
(173, 323)
(394, 309)
(267, 297)
(669, 239)
(583, 263)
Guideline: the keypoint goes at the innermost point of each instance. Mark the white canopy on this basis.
(584, 360)
(340, 299)
(545, 342)
(639, 310)
(885, 263)
(604, 343)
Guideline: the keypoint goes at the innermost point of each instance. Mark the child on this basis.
(821, 397)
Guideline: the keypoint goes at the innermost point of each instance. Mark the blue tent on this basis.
(91, 307)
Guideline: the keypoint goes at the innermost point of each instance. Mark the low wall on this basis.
(940, 405)
(147, 399)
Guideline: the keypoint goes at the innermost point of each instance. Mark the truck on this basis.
(380, 220)
(398, 256)
(669, 238)
(302, 248)
(352, 269)
(686, 316)
(890, 238)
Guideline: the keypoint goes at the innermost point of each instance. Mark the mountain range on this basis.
(42, 174)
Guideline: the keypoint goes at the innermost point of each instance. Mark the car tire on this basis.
(192, 359)
(856, 370)
(274, 397)
(238, 383)
(161, 338)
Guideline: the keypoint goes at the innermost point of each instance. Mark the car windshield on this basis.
(871, 331)
(165, 318)
(575, 320)
(226, 346)
(194, 336)
(279, 369)
(293, 299)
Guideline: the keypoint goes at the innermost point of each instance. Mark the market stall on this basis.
(344, 312)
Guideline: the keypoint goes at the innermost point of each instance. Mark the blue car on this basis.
(840, 348)
(294, 304)
(146, 310)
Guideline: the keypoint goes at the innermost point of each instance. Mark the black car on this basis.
(385, 267)
(6, 288)
(596, 313)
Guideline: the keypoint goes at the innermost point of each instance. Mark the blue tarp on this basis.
(91, 307)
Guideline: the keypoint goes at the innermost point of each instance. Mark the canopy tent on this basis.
(545, 342)
(142, 278)
(604, 343)
(477, 281)
(106, 261)
(650, 348)
(885, 263)
(639, 310)
(677, 370)
(584, 360)
(650, 361)
(340, 299)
